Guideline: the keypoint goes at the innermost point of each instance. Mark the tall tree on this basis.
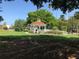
(19, 25)
(62, 17)
(76, 15)
(43, 15)
(63, 5)
(74, 22)
(62, 23)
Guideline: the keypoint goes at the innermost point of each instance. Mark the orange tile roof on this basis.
(38, 23)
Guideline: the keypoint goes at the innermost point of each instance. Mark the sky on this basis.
(19, 9)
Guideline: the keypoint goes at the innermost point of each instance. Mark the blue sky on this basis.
(19, 9)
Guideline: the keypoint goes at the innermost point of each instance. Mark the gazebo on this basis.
(38, 27)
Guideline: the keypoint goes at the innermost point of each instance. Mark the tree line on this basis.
(70, 25)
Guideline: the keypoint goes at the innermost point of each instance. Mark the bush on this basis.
(19, 25)
(55, 28)
(5, 28)
(28, 30)
(18, 29)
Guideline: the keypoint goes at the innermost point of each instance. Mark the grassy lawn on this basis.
(11, 33)
(72, 35)
(14, 33)
(34, 47)
(20, 45)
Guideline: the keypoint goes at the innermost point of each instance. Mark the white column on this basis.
(39, 29)
(44, 27)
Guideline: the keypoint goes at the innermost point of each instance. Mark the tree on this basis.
(43, 15)
(62, 17)
(63, 5)
(73, 22)
(76, 15)
(62, 23)
(19, 25)
(5, 26)
(1, 18)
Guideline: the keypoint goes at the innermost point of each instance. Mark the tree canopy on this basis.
(76, 15)
(63, 5)
(62, 23)
(43, 15)
(19, 25)
(1, 18)
(62, 17)
(73, 22)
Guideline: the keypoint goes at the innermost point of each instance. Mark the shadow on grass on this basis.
(38, 47)
(37, 37)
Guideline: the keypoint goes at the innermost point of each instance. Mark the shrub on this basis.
(55, 28)
(5, 28)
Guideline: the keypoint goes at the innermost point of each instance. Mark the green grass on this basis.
(14, 33)
(37, 38)
(71, 35)
(10, 33)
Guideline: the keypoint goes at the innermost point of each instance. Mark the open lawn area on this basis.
(11, 33)
(21, 45)
(14, 33)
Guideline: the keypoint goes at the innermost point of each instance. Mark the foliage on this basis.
(76, 15)
(62, 23)
(4, 26)
(62, 17)
(63, 5)
(55, 28)
(44, 15)
(19, 25)
(73, 22)
(1, 18)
